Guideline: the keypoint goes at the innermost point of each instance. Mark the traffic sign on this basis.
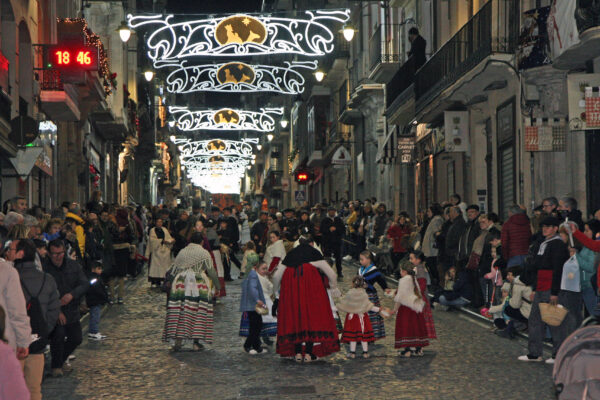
(300, 196)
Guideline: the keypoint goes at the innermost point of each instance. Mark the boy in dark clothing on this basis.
(96, 297)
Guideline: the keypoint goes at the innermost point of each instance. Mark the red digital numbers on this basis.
(77, 58)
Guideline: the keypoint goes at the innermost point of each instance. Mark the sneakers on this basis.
(530, 358)
(347, 258)
(550, 361)
(71, 357)
(67, 367)
(254, 352)
(96, 336)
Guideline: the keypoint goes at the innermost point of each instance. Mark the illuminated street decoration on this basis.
(225, 119)
(238, 77)
(214, 147)
(239, 35)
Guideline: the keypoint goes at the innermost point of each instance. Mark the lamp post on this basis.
(124, 32)
(148, 74)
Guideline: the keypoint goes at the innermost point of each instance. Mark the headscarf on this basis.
(192, 257)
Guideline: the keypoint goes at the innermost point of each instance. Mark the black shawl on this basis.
(302, 254)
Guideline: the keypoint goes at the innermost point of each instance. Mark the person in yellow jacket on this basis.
(77, 224)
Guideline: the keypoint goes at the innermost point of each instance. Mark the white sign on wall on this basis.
(456, 126)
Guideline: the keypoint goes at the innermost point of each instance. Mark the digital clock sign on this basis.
(74, 58)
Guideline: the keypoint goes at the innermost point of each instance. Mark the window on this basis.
(506, 156)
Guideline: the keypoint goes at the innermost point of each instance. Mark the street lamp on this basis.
(259, 147)
(171, 123)
(284, 122)
(319, 75)
(270, 137)
(252, 162)
(124, 32)
(172, 138)
(348, 31)
(148, 74)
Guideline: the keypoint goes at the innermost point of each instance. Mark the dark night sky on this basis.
(213, 6)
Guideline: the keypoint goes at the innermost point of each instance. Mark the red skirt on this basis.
(304, 314)
(410, 329)
(357, 331)
(427, 314)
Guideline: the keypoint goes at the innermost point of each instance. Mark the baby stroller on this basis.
(576, 373)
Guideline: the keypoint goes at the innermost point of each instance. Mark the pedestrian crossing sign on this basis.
(300, 196)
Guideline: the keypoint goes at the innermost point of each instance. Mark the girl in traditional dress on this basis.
(158, 250)
(417, 259)
(306, 329)
(372, 276)
(357, 327)
(275, 251)
(189, 307)
(410, 321)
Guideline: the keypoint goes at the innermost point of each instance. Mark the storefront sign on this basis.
(406, 148)
(44, 161)
(584, 101)
(456, 126)
(545, 138)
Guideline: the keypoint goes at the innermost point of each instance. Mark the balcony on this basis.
(335, 62)
(59, 101)
(576, 55)
(486, 42)
(360, 87)
(400, 94)
(384, 52)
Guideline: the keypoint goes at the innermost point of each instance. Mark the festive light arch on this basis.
(239, 35)
(225, 119)
(238, 77)
(213, 147)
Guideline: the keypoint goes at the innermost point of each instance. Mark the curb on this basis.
(470, 313)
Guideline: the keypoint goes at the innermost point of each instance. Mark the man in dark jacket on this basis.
(549, 261)
(455, 232)
(258, 232)
(72, 285)
(43, 287)
(516, 235)
(472, 231)
(290, 223)
(381, 222)
(418, 47)
(332, 228)
(567, 209)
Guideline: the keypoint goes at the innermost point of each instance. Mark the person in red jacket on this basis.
(515, 237)
(400, 228)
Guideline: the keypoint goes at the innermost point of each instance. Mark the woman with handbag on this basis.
(189, 305)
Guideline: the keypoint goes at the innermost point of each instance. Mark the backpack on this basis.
(39, 327)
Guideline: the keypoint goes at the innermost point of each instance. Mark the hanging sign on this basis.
(225, 119)
(406, 148)
(239, 35)
(238, 77)
(341, 157)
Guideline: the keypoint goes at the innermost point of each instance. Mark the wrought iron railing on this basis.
(343, 96)
(401, 81)
(384, 46)
(494, 29)
(50, 79)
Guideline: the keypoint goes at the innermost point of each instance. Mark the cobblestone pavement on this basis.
(466, 362)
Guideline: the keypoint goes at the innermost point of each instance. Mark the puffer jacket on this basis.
(515, 236)
(520, 297)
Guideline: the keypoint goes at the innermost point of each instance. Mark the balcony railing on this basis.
(401, 81)
(384, 45)
(356, 74)
(50, 79)
(343, 96)
(494, 29)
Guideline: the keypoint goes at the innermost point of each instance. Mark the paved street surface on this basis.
(466, 362)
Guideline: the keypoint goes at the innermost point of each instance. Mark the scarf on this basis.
(545, 244)
(355, 301)
(362, 271)
(192, 257)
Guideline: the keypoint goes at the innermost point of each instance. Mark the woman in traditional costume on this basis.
(158, 251)
(306, 329)
(189, 307)
(417, 259)
(275, 251)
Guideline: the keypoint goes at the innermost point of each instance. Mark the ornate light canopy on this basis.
(225, 119)
(238, 77)
(239, 35)
(214, 147)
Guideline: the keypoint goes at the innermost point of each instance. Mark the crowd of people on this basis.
(62, 263)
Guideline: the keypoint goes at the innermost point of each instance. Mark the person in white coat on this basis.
(18, 328)
(158, 250)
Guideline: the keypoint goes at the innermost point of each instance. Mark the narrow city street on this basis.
(133, 363)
